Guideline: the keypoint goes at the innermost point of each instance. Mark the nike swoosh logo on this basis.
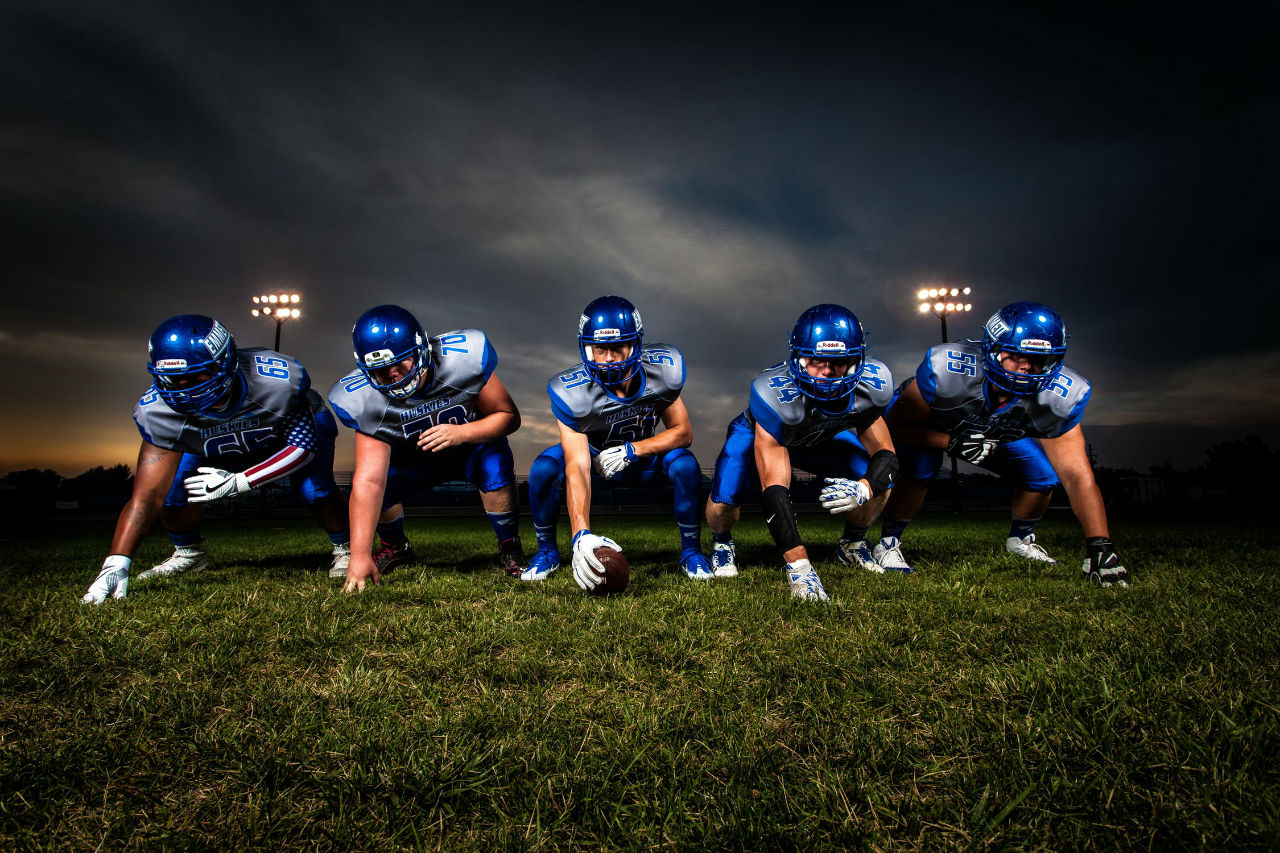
(770, 519)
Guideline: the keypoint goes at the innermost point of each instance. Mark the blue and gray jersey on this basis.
(952, 381)
(797, 420)
(463, 360)
(583, 405)
(274, 406)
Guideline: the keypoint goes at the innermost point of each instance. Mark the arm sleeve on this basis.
(299, 429)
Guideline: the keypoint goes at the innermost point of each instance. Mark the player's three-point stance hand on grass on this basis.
(361, 570)
(588, 571)
(209, 484)
(842, 495)
(112, 580)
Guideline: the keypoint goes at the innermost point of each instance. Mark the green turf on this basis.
(984, 702)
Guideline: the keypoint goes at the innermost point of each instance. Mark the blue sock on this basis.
(854, 532)
(893, 528)
(725, 538)
(506, 525)
(392, 531)
(1021, 528)
(690, 536)
(185, 538)
(342, 538)
(546, 537)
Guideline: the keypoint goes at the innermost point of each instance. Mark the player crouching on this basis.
(217, 422)
(821, 410)
(608, 407)
(425, 411)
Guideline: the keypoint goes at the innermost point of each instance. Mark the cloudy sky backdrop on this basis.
(722, 168)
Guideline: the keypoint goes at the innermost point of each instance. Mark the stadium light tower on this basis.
(278, 307)
(942, 302)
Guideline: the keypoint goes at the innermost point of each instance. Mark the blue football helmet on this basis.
(192, 362)
(387, 335)
(1031, 329)
(826, 331)
(610, 320)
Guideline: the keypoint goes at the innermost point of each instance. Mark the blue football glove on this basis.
(588, 571)
(843, 495)
(611, 462)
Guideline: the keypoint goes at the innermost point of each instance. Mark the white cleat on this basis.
(1029, 548)
(888, 555)
(857, 554)
(187, 558)
(723, 561)
(341, 559)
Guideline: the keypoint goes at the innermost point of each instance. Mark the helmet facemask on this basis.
(192, 363)
(1029, 330)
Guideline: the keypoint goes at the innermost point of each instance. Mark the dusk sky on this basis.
(499, 167)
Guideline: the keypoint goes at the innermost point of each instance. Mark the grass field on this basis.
(982, 703)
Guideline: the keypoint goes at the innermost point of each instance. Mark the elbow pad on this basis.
(882, 470)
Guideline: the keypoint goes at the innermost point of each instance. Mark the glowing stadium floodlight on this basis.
(282, 311)
(943, 302)
(935, 300)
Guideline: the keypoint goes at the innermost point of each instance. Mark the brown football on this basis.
(617, 571)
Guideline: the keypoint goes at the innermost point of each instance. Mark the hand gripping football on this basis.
(617, 571)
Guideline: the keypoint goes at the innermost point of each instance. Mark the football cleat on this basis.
(341, 558)
(804, 582)
(888, 555)
(511, 557)
(697, 566)
(546, 561)
(1027, 547)
(392, 556)
(857, 554)
(723, 561)
(185, 558)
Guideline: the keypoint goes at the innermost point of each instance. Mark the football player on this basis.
(608, 407)
(219, 421)
(821, 410)
(426, 410)
(1006, 404)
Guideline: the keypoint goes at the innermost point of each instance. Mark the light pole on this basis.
(941, 302)
(278, 307)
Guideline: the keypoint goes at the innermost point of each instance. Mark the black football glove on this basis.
(1102, 564)
(972, 447)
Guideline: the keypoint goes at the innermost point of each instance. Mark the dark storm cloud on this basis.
(503, 167)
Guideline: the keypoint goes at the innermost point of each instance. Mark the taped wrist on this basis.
(881, 471)
(775, 502)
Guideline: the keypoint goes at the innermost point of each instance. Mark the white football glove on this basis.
(972, 448)
(611, 462)
(843, 495)
(112, 580)
(588, 571)
(213, 483)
